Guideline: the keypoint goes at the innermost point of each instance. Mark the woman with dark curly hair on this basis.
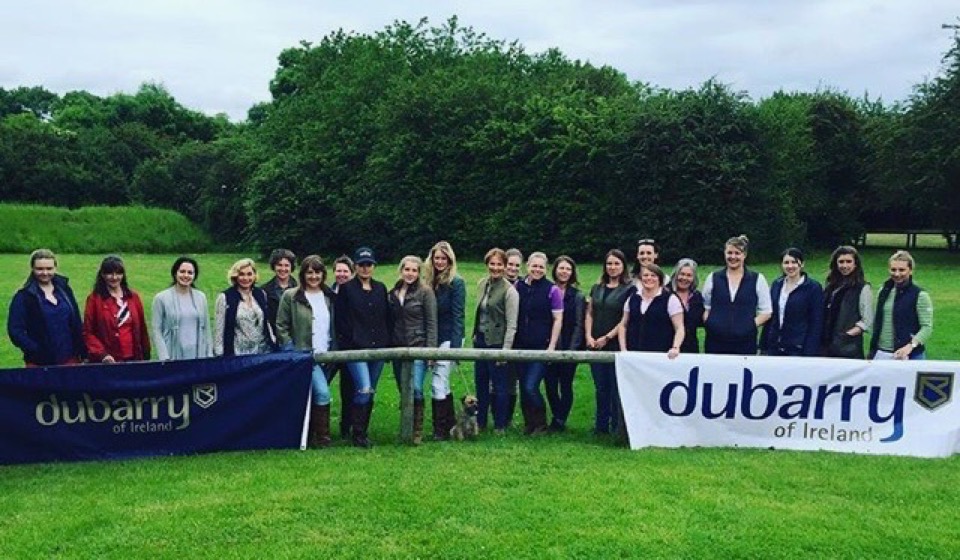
(114, 325)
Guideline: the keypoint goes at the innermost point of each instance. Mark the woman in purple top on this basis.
(538, 328)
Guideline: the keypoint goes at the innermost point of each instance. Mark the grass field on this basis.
(569, 495)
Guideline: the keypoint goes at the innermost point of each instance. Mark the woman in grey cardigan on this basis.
(180, 322)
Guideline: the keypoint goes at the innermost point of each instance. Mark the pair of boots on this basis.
(534, 419)
(443, 418)
(360, 415)
(319, 433)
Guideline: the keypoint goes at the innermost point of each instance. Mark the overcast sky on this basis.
(219, 55)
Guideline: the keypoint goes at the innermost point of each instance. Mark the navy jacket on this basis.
(451, 305)
(535, 320)
(362, 317)
(28, 330)
(802, 320)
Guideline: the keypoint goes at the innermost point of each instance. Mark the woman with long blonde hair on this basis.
(440, 273)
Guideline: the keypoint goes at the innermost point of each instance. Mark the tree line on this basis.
(416, 133)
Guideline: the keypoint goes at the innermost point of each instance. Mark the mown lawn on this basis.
(569, 495)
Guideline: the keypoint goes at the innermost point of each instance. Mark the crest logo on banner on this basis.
(933, 389)
(205, 395)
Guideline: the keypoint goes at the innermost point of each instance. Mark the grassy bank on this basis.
(98, 229)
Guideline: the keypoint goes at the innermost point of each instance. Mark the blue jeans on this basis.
(533, 373)
(365, 377)
(486, 372)
(320, 387)
(608, 398)
(418, 374)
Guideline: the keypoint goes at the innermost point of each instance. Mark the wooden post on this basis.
(406, 401)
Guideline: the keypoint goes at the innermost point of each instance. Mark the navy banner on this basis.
(94, 412)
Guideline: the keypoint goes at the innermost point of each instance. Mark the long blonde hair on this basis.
(429, 274)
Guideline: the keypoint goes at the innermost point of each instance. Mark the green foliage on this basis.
(815, 152)
(97, 230)
(416, 132)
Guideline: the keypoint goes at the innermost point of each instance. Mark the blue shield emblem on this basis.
(933, 389)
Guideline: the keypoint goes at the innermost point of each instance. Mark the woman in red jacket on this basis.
(114, 326)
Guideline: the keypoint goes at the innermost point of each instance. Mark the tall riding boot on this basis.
(360, 414)
(528, 422)
(313, 432)
(417, 421)
(322, 431)
(539, 419)
(449, 416)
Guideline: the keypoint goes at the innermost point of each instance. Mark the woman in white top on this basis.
(305, 322)
(737, 303)
(180, 323)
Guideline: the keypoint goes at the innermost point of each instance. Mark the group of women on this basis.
(646, 311)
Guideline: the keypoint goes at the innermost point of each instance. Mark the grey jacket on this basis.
(165, 325)
(414, 320)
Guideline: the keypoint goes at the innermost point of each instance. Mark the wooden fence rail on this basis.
(465, 354)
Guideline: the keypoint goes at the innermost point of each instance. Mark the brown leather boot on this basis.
(320, 425)
(417, 421)
(314, 426)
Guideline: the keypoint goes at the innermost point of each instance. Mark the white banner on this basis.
(886, 407)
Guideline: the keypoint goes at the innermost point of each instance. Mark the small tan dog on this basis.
(466, 426)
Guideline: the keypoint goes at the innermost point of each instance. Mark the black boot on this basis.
(528, 422)
(360, 414)
(449, 416)
(538, 419)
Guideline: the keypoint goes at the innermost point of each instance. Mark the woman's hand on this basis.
(673, 352)
(903, 353)
(108, 359)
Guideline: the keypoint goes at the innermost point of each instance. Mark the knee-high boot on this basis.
(319, 426)
(417, 421)
(360, 414)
